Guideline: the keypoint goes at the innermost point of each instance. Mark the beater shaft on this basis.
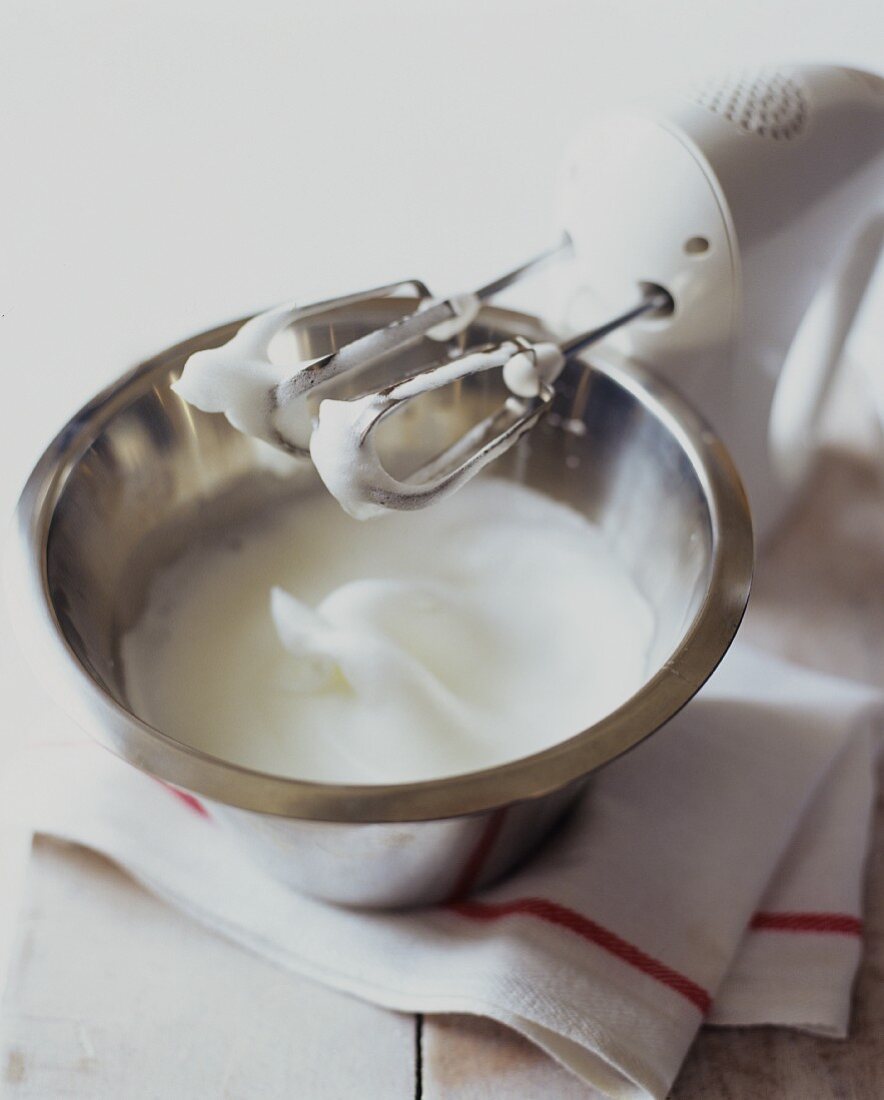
(656, 301)
(406, 331)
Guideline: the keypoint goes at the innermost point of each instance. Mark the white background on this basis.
(167, 166)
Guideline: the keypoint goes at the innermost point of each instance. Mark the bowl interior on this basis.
(152, 473)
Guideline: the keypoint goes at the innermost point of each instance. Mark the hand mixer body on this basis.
(739, 215)
(753, 201)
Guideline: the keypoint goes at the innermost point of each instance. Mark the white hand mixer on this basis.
(744, 216)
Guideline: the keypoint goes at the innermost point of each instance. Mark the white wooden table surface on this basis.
(107, 1015)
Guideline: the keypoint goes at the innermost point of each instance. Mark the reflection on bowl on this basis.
(127, 482)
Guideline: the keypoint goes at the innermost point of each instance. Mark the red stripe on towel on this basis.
(560, 915)
(478, 857)
(189, 800)
(842, 924)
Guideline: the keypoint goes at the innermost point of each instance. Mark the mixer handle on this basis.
(815, 354)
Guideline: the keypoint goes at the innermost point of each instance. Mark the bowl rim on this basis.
(701, 648)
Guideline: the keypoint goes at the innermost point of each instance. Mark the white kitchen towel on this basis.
(714, 874)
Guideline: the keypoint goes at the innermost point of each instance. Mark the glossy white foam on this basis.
(483, 629)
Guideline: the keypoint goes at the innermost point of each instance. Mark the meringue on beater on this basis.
(240, 380)
(302, 410)
(343, 448)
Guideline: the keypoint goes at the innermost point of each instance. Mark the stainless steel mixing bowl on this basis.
(136, 474)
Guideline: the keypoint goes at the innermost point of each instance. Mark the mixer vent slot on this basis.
(767, 104)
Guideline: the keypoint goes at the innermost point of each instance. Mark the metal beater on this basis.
(305, 415)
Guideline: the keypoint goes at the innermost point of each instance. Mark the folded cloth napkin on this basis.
(713, 875)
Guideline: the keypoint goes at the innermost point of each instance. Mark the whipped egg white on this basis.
(483, 629)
